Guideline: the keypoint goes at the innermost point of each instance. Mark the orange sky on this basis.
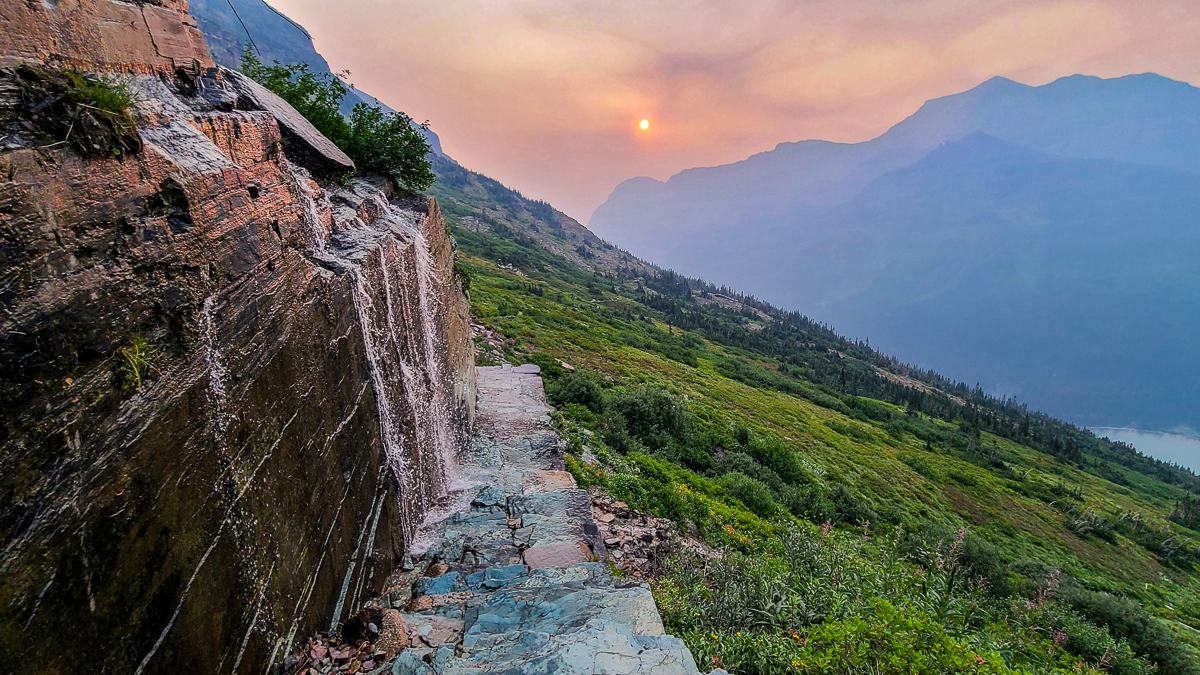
(546, 95)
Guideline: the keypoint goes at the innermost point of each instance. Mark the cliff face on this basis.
(228, 392)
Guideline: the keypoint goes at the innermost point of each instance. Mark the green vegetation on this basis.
(135, 363)
(91, 113)
(386, 143)
(873, 517)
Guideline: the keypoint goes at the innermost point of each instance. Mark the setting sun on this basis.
(644, 124)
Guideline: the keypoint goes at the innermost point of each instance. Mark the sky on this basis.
(546, 96)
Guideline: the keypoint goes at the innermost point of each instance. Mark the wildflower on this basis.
(1060, 638)
(979, 659)
(714, 636)
(959, 538)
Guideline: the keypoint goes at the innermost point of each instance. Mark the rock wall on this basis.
(292, 416)
(143, 37)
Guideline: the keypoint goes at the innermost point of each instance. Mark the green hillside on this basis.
(962, 533)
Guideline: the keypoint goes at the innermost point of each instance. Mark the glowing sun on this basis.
(644, 124)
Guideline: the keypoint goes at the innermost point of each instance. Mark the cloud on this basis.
(545, 94)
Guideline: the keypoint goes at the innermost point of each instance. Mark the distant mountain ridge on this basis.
(230, 25)
(1040, 240)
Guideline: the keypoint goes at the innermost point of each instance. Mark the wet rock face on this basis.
(198, 462)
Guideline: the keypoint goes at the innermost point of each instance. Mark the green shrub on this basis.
(920, 465)
(754, 494)
(1096, 645)
(387, 143)
(317, 96)
(775, 453)
(821, 602)
(653, 416)
(848, 507)
(91, 113)
(1127, 620)
(135, 363)
(579, 413)
(390, 144)
(576, 388)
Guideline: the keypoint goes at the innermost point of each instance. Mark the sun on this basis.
(644, 124)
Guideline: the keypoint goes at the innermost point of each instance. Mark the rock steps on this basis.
(513, 577)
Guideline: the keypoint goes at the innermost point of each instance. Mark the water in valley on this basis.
(1175, 448)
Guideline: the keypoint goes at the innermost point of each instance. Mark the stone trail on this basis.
(513, 576)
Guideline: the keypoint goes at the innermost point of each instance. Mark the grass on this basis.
(135, 363)
(91, 113)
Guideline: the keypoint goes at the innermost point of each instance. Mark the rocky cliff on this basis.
(229, 392)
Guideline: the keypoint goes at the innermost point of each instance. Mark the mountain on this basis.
(227, 23)
(1039, 240)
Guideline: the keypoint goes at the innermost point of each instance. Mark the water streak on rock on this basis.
(217, 372)
(310, 215)
(404, 354)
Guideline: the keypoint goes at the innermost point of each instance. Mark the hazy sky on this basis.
(546, 95)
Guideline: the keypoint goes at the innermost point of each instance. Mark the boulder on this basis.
(304, 144)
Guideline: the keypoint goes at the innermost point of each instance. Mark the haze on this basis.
(546, 95)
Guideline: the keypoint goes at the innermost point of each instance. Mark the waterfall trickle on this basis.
(395, 296)
(441, 411)
(217, 372)
(310, 215)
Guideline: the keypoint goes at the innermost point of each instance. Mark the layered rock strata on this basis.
(228, 392)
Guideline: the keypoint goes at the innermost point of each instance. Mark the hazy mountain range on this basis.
(1043, 241)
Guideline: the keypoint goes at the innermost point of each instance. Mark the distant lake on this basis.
(1167, 447)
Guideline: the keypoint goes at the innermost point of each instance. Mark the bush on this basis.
(388, 143)
(1095, 645)
(653, 416)
(849, 508)
(773, 452)
(832, 604)
(91, 113)
(1127, 620)
(578, 389)
(754, 494)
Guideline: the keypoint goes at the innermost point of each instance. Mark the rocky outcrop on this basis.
(301, 139)
(229, 393)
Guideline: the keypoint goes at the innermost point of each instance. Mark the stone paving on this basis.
(513, 577)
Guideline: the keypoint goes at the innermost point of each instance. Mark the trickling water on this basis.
(430, 352)
(217, 373)
(310, 215)
(441, 409)
(405, 355)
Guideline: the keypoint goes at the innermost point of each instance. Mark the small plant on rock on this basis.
(91, 113)
(135, 363)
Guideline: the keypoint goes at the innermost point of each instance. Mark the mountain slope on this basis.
(992, 261)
